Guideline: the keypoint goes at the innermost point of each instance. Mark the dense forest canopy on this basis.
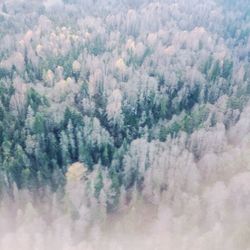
(112, 105)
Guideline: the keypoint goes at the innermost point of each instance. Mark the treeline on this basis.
(85, 85)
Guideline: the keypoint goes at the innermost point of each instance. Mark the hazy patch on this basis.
(52, 3)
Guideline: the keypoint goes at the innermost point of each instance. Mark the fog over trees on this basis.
(124, 124)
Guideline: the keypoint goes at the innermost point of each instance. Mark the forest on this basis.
(121, 119)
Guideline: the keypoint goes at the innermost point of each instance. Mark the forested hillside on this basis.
(125, 108)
